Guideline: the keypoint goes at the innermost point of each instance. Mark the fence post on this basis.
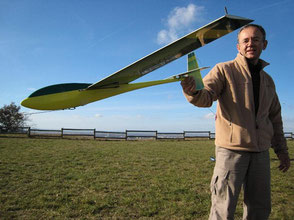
(61, 132)
(94, 130)
(29, 131)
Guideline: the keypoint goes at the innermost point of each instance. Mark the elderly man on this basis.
(248, 123)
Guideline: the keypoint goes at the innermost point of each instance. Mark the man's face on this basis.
(251, 43)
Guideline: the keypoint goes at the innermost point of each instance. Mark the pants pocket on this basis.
(219, 184)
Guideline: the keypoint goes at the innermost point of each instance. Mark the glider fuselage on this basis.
(49, 98)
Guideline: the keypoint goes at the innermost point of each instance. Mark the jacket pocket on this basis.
(266, 130)
(223, 130)
(231, 131)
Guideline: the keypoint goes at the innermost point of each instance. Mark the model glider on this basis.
(71, 95)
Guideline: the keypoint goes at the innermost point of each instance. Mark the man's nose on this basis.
(250, 42)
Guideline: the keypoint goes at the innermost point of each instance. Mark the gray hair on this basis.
(259, 27)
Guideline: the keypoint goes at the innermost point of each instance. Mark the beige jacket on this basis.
(236, 125)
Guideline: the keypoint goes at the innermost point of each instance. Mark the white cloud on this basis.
(209, 116)
(179, 20)
(288, 124)
(98, 116)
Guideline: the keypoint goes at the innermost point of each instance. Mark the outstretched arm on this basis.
(213, 84)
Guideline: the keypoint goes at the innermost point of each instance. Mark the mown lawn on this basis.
(87, 179)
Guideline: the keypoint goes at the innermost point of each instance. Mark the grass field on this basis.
(87, 179)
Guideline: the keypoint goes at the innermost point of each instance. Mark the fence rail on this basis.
(113, 135)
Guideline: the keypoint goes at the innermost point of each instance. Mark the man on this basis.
(248, 123)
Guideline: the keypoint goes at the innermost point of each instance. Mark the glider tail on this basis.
(195, 71)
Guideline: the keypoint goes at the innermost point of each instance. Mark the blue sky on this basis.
(59, 41)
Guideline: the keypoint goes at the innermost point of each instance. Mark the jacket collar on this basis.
(242, 60)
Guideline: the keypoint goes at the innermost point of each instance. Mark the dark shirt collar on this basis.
(254, 68)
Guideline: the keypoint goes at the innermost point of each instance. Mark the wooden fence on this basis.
(112, 135)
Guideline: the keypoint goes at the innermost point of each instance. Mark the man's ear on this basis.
(265, 44)
(238, 47)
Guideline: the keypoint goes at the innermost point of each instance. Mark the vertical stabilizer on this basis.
(193, 65)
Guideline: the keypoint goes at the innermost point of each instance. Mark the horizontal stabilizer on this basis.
(186, 74)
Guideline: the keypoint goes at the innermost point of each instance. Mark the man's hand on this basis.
(189, 85)
(284, 162)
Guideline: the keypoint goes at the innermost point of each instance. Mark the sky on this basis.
(69, 41)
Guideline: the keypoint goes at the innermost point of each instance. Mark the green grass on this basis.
(87, 179)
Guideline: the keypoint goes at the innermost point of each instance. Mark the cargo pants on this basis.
(234, 169)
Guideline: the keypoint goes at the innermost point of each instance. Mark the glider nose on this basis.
(27, 103)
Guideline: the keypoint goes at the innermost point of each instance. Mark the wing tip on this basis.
(238, 18)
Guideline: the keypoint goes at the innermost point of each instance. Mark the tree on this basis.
(10, 118)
